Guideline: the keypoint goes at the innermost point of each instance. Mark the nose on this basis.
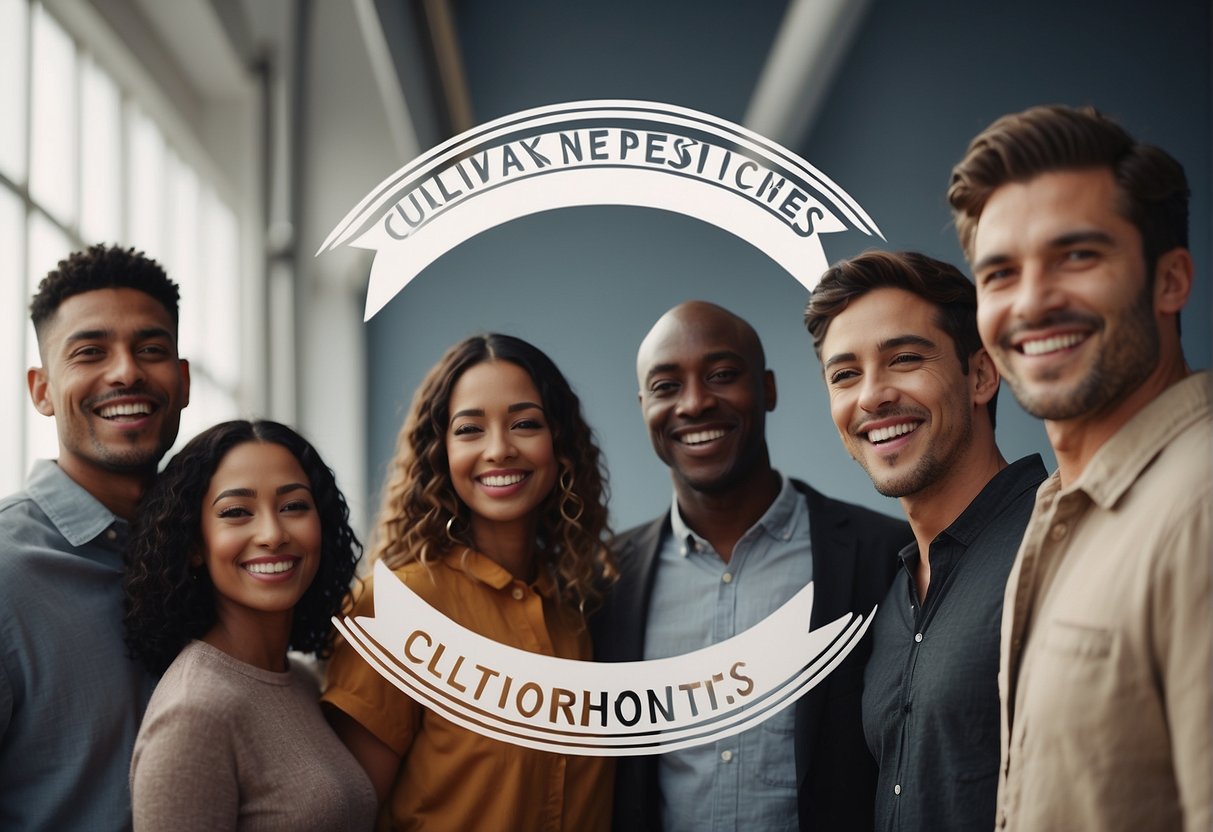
(1035, 294)
(695, 398)
(123, 368)
(875, 392)
(500, 445)
(271, 533)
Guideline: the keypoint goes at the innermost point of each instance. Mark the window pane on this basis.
(13, 325)
(47, 246)
(184, 256)
(53, 141)
(221, 291)
(100, 156)
(145, 180)
(14, 32)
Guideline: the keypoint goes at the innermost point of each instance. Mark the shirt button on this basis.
(726, 755)
(727, 577)
(1058, 531)
(110, 534)
(918, 637)
(517, 593)
(897, 789)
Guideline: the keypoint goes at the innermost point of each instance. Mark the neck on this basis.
(259, 639)
(118, 492)
(937, 506)
(1076, 441)
(510, 545)
(723, 517)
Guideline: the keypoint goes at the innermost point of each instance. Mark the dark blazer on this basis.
(854, 561)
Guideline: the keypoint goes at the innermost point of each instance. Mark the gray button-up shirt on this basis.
(70, 699)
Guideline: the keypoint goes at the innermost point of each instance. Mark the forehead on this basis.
(491, 381)
(110, 310)
(250, 462)
(878, 316)
(1022, 215)
(685, 340)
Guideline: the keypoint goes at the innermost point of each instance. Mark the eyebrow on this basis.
(1061, 241)
(719, 355)
(248, 492)
(514, 408)
(907, 340)
(102, 334)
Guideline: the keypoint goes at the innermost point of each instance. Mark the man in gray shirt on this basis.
(70, 699)
(912, 393)
(738, 541)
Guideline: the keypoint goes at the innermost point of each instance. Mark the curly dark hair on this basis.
(420, 499)
(167, 603)
(101, 267)
(941, 284)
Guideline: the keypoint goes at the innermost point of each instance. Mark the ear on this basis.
(185, 382)
(983, 378)
(39, 390)
(768, 389)
(1173, 277)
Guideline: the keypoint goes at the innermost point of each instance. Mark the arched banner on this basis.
(598, 153)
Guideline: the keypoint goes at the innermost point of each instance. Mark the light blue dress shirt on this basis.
(747, 781)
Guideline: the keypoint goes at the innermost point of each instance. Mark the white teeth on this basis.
(500, 481)
(885, 434)
(1057, 342)
(699, 437)
(270, 568)
(135, 409)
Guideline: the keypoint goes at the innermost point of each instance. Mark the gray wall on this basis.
(585, 284)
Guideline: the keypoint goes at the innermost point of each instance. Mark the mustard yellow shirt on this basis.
(450, 777)
(1106, 673)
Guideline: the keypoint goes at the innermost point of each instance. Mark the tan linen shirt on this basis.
(452, 778)
(1106, 672)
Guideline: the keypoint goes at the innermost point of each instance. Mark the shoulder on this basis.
(857, 520)
(631, 544)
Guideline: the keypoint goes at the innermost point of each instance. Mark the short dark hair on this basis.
(1016, 148)
(168, 603)
(940, 284)
(102, 267)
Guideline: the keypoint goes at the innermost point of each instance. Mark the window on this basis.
(84, 159)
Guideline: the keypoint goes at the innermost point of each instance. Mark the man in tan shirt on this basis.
(1077, 236)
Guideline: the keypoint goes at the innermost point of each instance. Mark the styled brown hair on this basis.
(1151, 183)
(940, 284)
(423, 519)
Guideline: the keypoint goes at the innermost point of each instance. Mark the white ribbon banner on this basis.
(598, 153)
(592, 708)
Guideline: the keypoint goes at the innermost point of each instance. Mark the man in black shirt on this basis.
(912, 393)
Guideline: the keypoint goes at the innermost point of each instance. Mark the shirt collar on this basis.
(1020, 476)
(1118, 463)
(778, 521)
(76, 513)
(488, 571)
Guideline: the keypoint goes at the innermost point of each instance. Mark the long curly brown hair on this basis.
(415, 523)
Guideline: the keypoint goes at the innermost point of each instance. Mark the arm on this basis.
(1183, 645)
(183, 774)
(379, 761)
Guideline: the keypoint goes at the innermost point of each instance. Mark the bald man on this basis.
(738, 541)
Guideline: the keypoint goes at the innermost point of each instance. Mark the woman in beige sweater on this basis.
(242, 550)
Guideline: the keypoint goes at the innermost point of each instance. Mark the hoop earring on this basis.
(450, 529)
(571, 506)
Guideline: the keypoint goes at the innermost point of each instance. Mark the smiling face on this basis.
(260, 532)
(902, 403)
(705, 393)
(112, 380)
(1064, 304)
(499, 448)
